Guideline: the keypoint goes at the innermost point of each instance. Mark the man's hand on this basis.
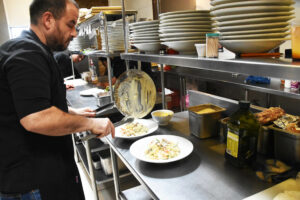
(102, 127)
(87, 112)
(77, 58)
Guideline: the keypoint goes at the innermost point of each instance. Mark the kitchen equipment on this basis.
(286, 145)
(295, 39)
(204, 125)
(134, 95)
(105, 161)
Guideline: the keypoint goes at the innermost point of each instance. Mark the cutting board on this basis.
(270, 193)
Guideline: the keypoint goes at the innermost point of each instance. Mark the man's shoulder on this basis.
(25, 44)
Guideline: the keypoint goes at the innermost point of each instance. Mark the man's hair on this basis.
(56, 7)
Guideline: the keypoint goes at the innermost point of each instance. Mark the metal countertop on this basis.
(202, 175)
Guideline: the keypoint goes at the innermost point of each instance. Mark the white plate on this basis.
(251, 9)
(149, 123)
(199, 24)
(255, 36)
(184, 12)
(185, 26)
(255, 21)
(148, 47)
(138, 148)
(144, 23)
(252, 27)
(254, 3)
(144, 26)
(184, 47)
(145, 41)
(183, 30)
(182, 38)
(252, 15)
(186, 34)
(144, 34)
(147, 30)
(145, 38)
(252, 46)
(90, 92)
(204, 20)
(185, 15)
(267, 30)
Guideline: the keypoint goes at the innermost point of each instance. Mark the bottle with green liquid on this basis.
(242, 135)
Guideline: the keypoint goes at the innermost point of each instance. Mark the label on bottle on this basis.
(232, 147)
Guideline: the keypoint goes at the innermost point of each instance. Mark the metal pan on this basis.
(134, 95)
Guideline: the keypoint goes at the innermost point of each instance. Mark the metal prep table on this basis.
(203, 175)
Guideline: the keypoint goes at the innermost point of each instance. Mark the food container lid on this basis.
(212, 34)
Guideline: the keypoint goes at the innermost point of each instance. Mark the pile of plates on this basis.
(144, 36)
(181, 30)
(252, 26)
(115, 35)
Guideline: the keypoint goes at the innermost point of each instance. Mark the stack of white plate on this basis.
(115, 36)
(144, 36)
(181, 30)
(252, 26)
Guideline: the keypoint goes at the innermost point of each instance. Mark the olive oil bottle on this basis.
(242, 134)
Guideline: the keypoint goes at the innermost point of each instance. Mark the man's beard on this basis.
(55, 42)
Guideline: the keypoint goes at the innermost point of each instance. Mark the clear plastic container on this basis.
(295, 33)
(212, 45)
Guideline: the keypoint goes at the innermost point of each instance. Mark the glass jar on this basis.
(212, 45)
(295, 33)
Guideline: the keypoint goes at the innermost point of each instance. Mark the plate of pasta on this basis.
(136, 129)
(161, 148)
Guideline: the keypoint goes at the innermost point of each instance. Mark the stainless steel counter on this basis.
(203, 175)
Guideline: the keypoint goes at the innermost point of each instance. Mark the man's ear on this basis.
(48, 20)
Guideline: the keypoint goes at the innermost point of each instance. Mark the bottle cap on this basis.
(244, 104)
(212, 34)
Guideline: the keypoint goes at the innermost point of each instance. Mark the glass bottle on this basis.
(242, 135)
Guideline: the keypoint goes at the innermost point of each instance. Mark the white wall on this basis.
(17, 12)
(4, 36)
(144, 7)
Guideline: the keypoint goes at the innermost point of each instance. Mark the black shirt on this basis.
(30, 81)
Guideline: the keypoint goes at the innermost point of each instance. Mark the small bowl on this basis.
(162, 117)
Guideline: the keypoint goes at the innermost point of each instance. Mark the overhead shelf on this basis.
(269, 67)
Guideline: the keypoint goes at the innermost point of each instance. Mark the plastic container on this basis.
(204, 125)
(286, 145)
(295, 33)
(106, 164)
(201, 50)
(212, 45)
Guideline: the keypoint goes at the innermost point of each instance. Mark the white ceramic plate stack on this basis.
(144, 36)
(252, 26)
(115, 36)
(181, 30)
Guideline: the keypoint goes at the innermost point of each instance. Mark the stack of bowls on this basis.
(144, 36)
(181, 30)
(252, 26)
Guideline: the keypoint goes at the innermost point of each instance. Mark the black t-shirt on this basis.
(30, 81)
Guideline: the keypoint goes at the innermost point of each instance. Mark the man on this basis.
(36, 152)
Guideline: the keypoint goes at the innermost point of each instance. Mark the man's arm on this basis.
(87, 112)
(54, 122)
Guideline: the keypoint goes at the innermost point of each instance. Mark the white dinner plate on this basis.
(252, 26)
(255, 36)
(252, 15)
(145, 38)
(147, 30)
(144, 23)
(183, 30)
(252, 45)
(251, 9)
(138, 148)
(258, 20)
(254, 3)
(145, 41)
(170, 24)
(185, 15)
(267, 30)
(184, 47)
(149, 123)
(186, 34)
(144, 34)
(166, 39)
(148, 47)
(184, 12)
(144, 26)
(204, 20)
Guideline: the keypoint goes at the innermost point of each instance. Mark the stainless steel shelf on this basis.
(270, 67)
(102, 54)
(273, 88)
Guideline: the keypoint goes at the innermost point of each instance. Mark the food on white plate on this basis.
(134, 129)
(162, 149)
